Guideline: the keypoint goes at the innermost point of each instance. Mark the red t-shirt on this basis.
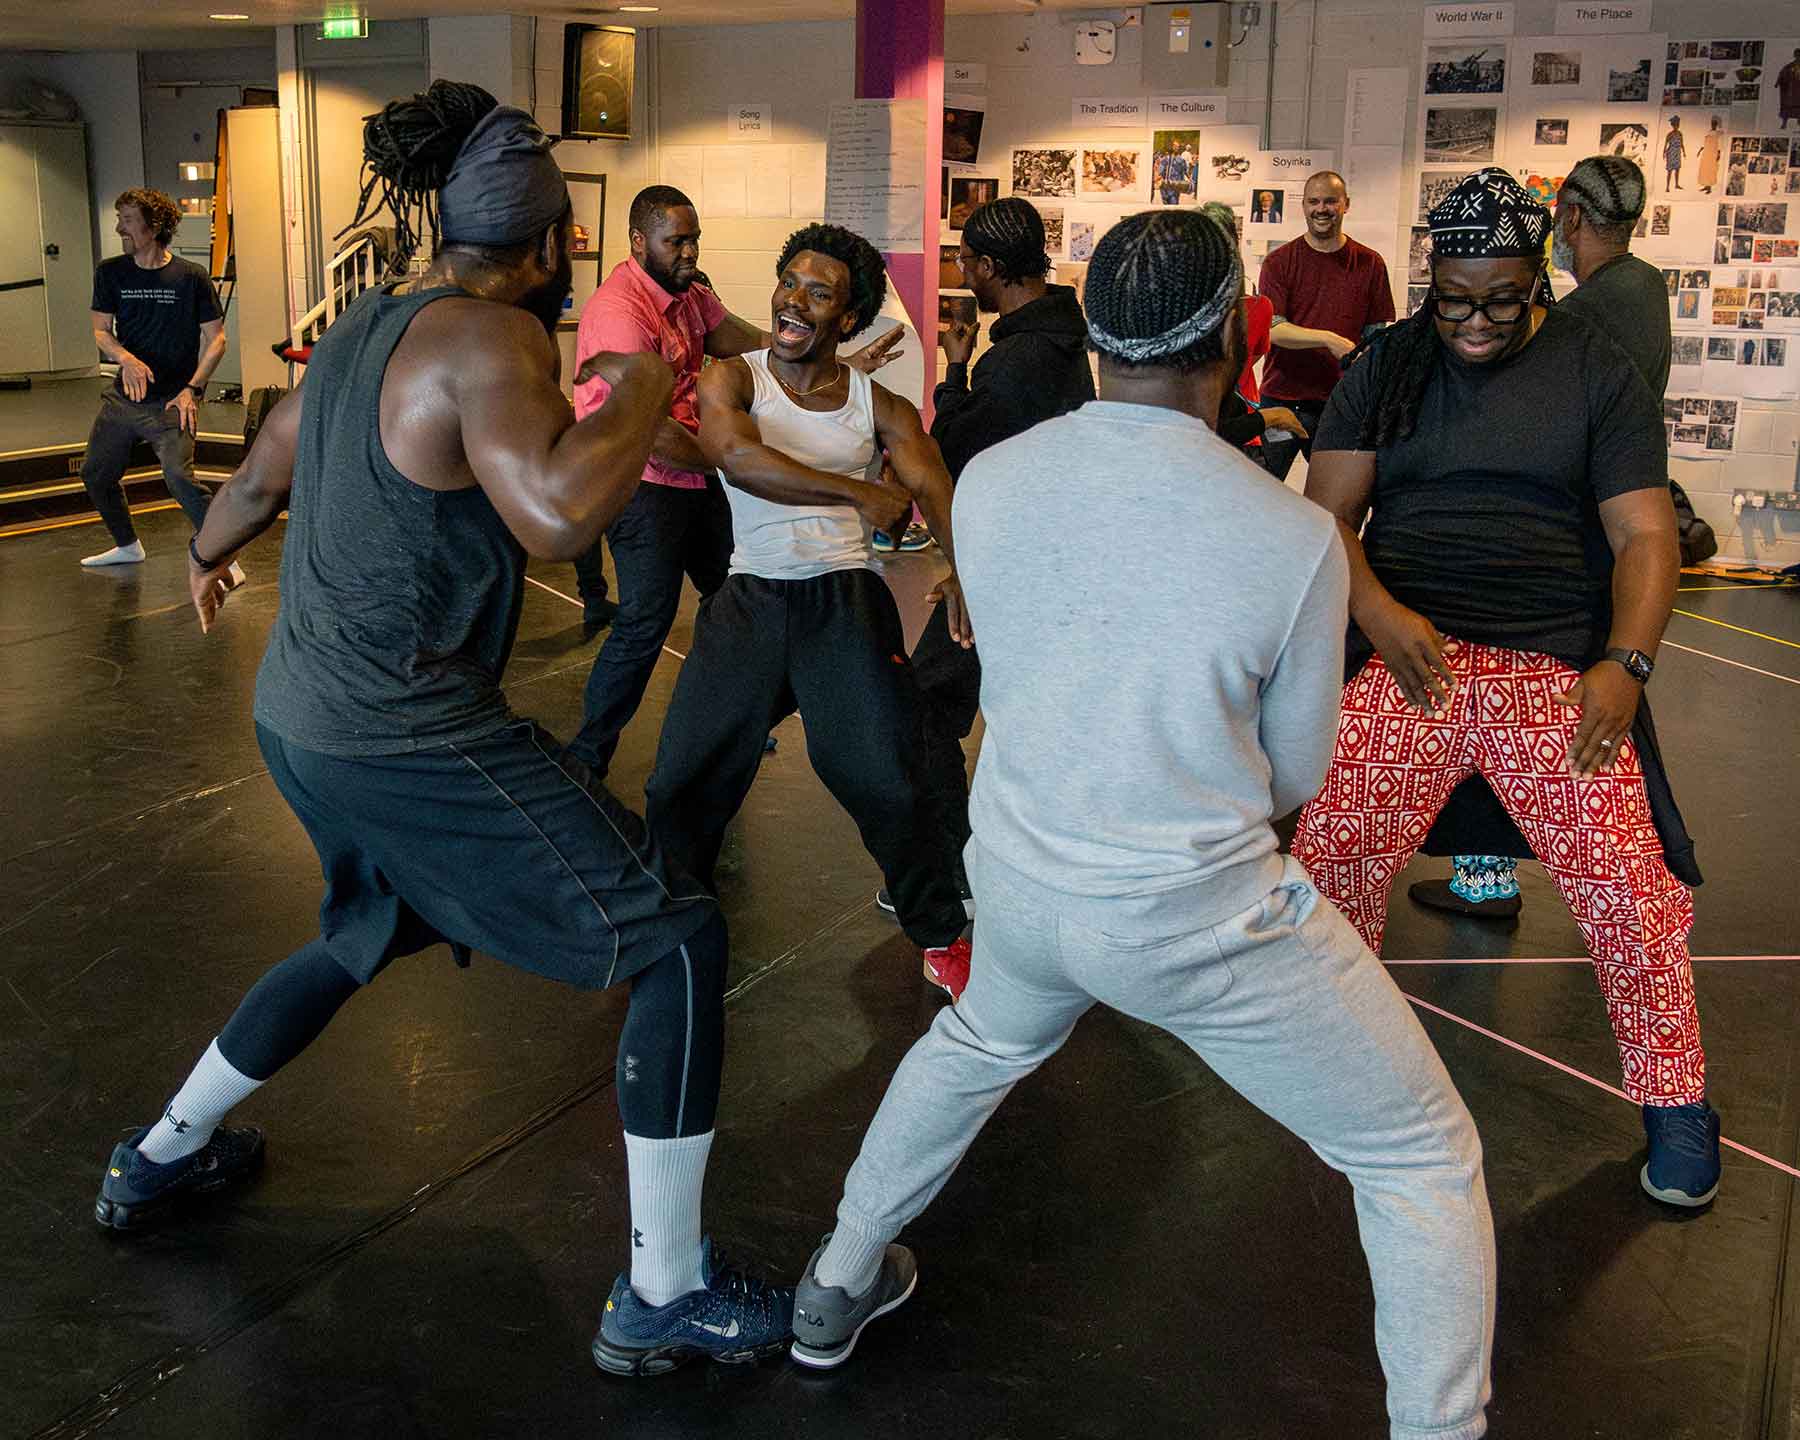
(1259, 318)
(1342, 292)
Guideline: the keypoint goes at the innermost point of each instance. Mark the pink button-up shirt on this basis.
(629, 313)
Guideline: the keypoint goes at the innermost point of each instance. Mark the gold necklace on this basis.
(836, 376)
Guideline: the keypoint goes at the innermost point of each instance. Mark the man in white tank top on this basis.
(814, 457)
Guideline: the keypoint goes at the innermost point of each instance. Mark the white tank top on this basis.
(796, 542)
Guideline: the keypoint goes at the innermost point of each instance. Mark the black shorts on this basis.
(505, 845)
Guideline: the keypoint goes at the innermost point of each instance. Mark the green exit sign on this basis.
(353, 28)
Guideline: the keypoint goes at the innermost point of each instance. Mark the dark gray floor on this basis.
(1129, 1250)
(60, 412)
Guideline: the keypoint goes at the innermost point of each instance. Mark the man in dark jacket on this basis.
(1035, 369)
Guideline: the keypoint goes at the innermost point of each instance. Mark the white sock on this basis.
(666, 1178)
(118, 555)
(202, 1102)
(852, 1260)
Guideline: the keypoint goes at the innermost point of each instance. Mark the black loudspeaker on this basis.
(599, 65)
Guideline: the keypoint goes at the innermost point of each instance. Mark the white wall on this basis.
(104, 83)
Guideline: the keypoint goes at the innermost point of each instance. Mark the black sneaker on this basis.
(828, 1319)
(1683, 1168)
(596, 615)
(1437, 895)
(737, 1319)
(135, 1190)
(885, 901)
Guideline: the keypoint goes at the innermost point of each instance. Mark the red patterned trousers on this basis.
(1394, 769)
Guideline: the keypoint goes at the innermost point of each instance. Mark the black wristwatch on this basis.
(1637, 664)
(199, 390)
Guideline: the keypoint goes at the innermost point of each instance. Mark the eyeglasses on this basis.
(1457, 308)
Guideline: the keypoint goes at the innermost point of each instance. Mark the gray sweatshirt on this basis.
(1161, 629)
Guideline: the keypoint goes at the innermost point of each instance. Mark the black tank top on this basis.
(399, 604)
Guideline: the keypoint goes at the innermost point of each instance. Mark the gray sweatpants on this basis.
(1296, 1014)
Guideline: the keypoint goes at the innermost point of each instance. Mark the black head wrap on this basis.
(1489, 216)
(504, 186)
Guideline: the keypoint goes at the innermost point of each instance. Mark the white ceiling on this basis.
(184, 24)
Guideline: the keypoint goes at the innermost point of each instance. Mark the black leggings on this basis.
(671, 1051)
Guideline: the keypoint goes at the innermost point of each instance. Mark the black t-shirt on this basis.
(1485, 520)
(157, 315)
(1628, 300)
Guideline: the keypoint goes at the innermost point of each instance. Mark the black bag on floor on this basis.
(1697, 539)
(265, 399)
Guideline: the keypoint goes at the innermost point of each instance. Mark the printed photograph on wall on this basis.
(1116, 172)
(1052, 216)
(1268, 205)
(1174, 166)
(1556, 67)
(1629, 86)
(967, 192)
(955, 310)
(1459, 135)
(1719, 347)
(1553, 132)
(1660, 218)
(944, 197)
(1762, 219)
(962, 134)
(1044, 174)
(1472, 68)
(1542, 188)
(1687, 306)
(1629, 139)
(1685, 349)
(1415, 297)
(1229, 164)
(1418, 256)
(950, 276)
(1081, 240)
(1434, 185)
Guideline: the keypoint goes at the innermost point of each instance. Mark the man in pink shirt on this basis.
(678, 523)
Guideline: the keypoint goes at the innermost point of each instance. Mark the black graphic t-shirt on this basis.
(157, 315)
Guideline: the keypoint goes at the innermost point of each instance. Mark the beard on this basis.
(545, 301)
(1562, 253)
(668, 279)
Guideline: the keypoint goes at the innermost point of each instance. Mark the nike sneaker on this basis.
(737, 1319)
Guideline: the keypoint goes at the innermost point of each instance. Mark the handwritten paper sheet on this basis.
(875, 172)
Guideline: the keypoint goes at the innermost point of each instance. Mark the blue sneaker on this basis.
(1683, 1168)
(882, 541)
(916, 537)
(737, 1319)
(135, 1189)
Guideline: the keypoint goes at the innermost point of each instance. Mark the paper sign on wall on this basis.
(1449, 21)
(752, 120)
(1616, 17)
(1293, 166)
(875, 172)
(1184, 112)
(965, 73)
(1125, 112)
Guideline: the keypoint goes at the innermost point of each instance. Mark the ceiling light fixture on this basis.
(227, 17)
(639, 9)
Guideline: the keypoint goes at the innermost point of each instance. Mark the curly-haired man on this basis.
(814, 456)
(158, 319)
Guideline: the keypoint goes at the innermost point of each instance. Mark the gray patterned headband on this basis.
(1178, 337)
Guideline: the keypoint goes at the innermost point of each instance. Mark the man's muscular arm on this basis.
(730, 440)
(557, 482)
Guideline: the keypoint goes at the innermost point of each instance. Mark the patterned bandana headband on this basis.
(1148, 349)
(1489, 216)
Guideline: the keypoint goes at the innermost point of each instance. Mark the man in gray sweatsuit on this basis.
(1141, 737)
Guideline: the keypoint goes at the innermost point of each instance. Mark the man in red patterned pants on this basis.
(1517, 569)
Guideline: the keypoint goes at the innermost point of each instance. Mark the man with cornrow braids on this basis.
(1123, 853)
(1036, 367)
(427, 453)
(1625, 299)
(814, 456)
(1516, 572)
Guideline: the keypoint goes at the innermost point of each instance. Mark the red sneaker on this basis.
(947, 967)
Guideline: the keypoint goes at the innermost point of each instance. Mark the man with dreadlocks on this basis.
(1625, 298)
(1035, 368)
(1123, 854)
(803, 622)
(1514, 578)
(428, 451)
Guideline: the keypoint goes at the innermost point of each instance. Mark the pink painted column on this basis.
(900, 56)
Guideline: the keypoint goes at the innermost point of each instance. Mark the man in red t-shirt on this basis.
(678, 523)
(1329, 293)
